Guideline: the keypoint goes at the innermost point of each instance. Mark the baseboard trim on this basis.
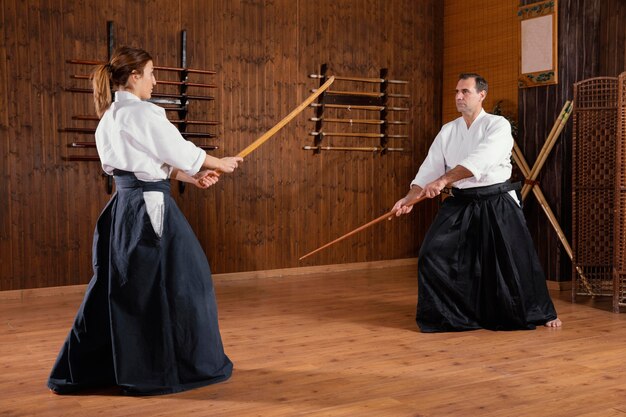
(270, 273)
(320, 269)
(42, 292)
(559, 285)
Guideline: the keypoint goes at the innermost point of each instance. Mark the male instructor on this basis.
(477, 265)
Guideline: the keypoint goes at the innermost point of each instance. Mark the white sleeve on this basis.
(434, 166)
(492, 150)
(155, 134)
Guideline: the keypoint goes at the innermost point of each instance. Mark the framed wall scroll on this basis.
(538, 44)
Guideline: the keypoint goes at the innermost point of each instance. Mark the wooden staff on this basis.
(349, 107)
(348, 134)
(191, 70)
(185, 83)
(357, 121)
(394, 95)
(353, 93)
(184, 96)
(555, 126)
(173, 108)
(389, 215)
(347, 148)
(82, 158)
(358, 135)
(361, 79)
(525, 169)
(88, 130)
(265, 136)
(93, 145)
(351, 121)
(176, 97)
(177, 121)
(198, 135)
(559, 124)
(359, 107)
(177, 69)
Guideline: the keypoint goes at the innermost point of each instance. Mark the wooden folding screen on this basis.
(599, 188)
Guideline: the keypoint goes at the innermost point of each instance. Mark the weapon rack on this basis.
(351, 103)
(599, 187)
(175, 93)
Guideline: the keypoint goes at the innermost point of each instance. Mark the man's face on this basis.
(467, 99)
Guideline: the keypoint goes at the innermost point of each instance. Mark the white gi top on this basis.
(135, 136)
(484, 149)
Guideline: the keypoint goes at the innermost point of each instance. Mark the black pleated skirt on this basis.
(148, 322)
(478, 267)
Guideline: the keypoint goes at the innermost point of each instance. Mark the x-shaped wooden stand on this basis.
(530, 184)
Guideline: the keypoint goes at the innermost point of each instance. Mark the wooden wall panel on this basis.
(283, 201)
(7, 96)
(612, 38)
(481, 38)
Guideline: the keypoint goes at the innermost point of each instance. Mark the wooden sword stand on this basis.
(364, 102)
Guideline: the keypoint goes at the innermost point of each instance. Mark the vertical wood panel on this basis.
(612, 38)
(482, 38)
(7, 136)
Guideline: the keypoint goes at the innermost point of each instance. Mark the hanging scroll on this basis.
(538, 44)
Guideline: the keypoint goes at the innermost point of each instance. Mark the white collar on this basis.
(480, 116)
(125, 95)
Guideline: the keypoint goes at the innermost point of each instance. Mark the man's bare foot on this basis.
(554, 323)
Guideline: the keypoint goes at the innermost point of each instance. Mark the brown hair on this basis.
(115, 73)
(481, 83)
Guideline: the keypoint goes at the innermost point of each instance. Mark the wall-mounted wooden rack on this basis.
(354, 96)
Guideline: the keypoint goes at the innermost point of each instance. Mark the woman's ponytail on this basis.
(100, 80)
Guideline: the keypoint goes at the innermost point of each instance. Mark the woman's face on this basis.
(144, 82)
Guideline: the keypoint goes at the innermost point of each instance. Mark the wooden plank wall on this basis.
(481, 39)
(591, 44)
(284, 201)
(612, 38)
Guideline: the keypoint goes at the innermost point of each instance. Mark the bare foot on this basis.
(554, 323)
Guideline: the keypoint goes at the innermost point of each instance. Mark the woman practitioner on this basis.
(148, 321)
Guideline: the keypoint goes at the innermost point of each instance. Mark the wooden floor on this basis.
(343, 344)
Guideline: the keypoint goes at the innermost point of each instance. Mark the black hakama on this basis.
(148, 321)
(478, 267)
